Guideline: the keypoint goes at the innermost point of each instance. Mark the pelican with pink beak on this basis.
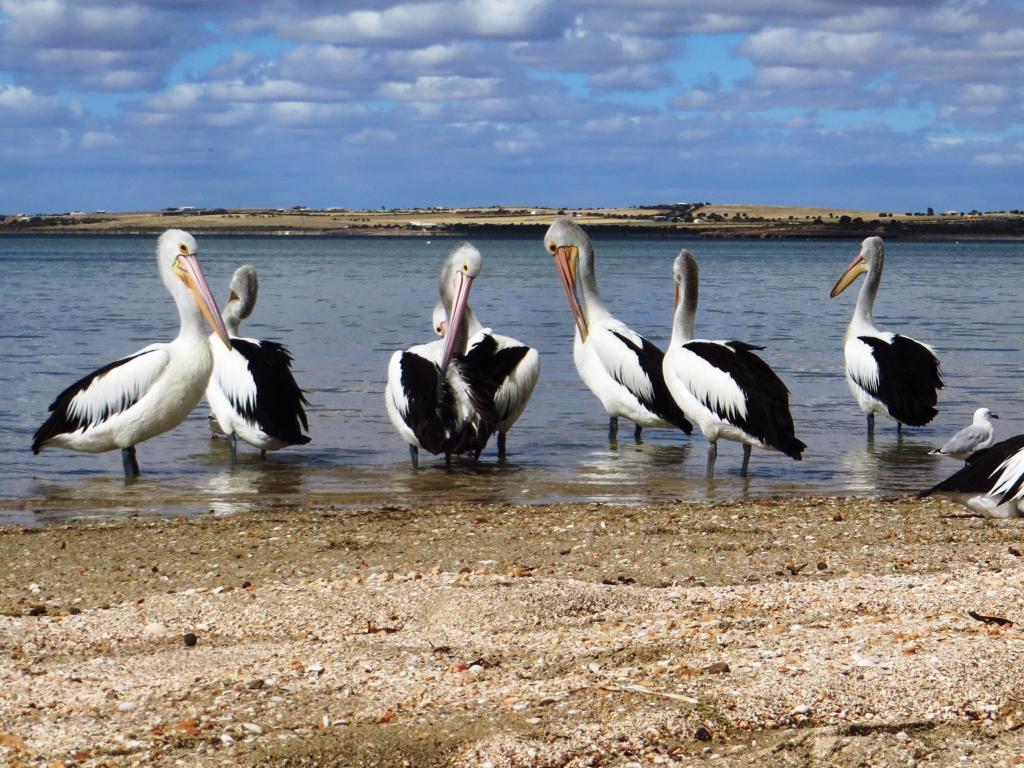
(151, 391)
(426, 397)
(621, 367)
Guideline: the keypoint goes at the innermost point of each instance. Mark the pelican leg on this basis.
(899, 429)
(263, 454)
(131, 464)
(414, 454)
(501, 444)
(613, 429)
(871, 426)
(233, 442)
(746, 460)
(709, 470)
(636, 433)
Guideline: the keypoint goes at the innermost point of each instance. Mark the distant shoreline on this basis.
(682, 220)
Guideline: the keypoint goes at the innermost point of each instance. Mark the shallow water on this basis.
(343, 305)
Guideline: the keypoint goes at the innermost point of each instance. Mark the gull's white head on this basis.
(982, 416)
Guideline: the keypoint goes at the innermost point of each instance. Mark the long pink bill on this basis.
(455, 322)
(569, 283)
(196, 280)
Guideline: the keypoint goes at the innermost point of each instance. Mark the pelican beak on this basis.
(675, 303)
(993, 415)
(458, 311)
(187, 268)
(857, 268)
(565, 260)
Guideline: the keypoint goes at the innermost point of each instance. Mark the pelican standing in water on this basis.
(501, 372)
(252, 392)
(149, 392)
(621, 367)
(980, 434)
(992, 481)
(426, 397)
(888, 373)
(722, 385)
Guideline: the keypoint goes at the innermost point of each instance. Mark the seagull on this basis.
(991, 482)
(722, 385)
(151, 391)
(976, 437)
(252, 392)
(621, 367)
(888, 373)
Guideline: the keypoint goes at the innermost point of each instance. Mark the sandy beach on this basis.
(813, 631)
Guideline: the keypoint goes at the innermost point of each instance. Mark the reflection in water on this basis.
(896, 464)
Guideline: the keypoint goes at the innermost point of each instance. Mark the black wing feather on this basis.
(485, 368)
(767, 398)
(431, 414)
(979, 474)
(61, 422)
(278, 409)
(909, 378)
(662, 404)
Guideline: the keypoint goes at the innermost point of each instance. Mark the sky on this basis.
(366, 104)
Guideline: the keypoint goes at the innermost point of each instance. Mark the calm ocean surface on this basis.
(342, 305)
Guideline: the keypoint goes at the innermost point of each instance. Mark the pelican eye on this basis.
(183, 249)
(465, 267)
(553, 247)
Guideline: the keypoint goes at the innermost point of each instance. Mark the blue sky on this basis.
(367, 103)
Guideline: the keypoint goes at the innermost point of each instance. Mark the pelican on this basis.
(722, 385)
(621, 367)
(252, 392)
(501, 371)
(153, 390)
(976, 437)
(426, 397)
(992, 481)
(888, 373)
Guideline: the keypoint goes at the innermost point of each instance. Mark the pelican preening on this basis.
(992, 481)
(501, 372)
(980, 434)
(722, 385)
(888, 373)
(426, 397)
(251, 391)
(621, 367)
(149, 392)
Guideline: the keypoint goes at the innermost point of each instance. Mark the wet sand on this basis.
(775, 632)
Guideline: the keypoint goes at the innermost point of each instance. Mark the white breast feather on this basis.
(861, 365)
(114, 390)
(620, 361)
(231, 372)
(710, 385)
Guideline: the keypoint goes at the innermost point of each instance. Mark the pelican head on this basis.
(872, 251)
(460, 269)
(178, 260)
(440, 320)
(566, 240)
(686, 275)
(241, 297)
